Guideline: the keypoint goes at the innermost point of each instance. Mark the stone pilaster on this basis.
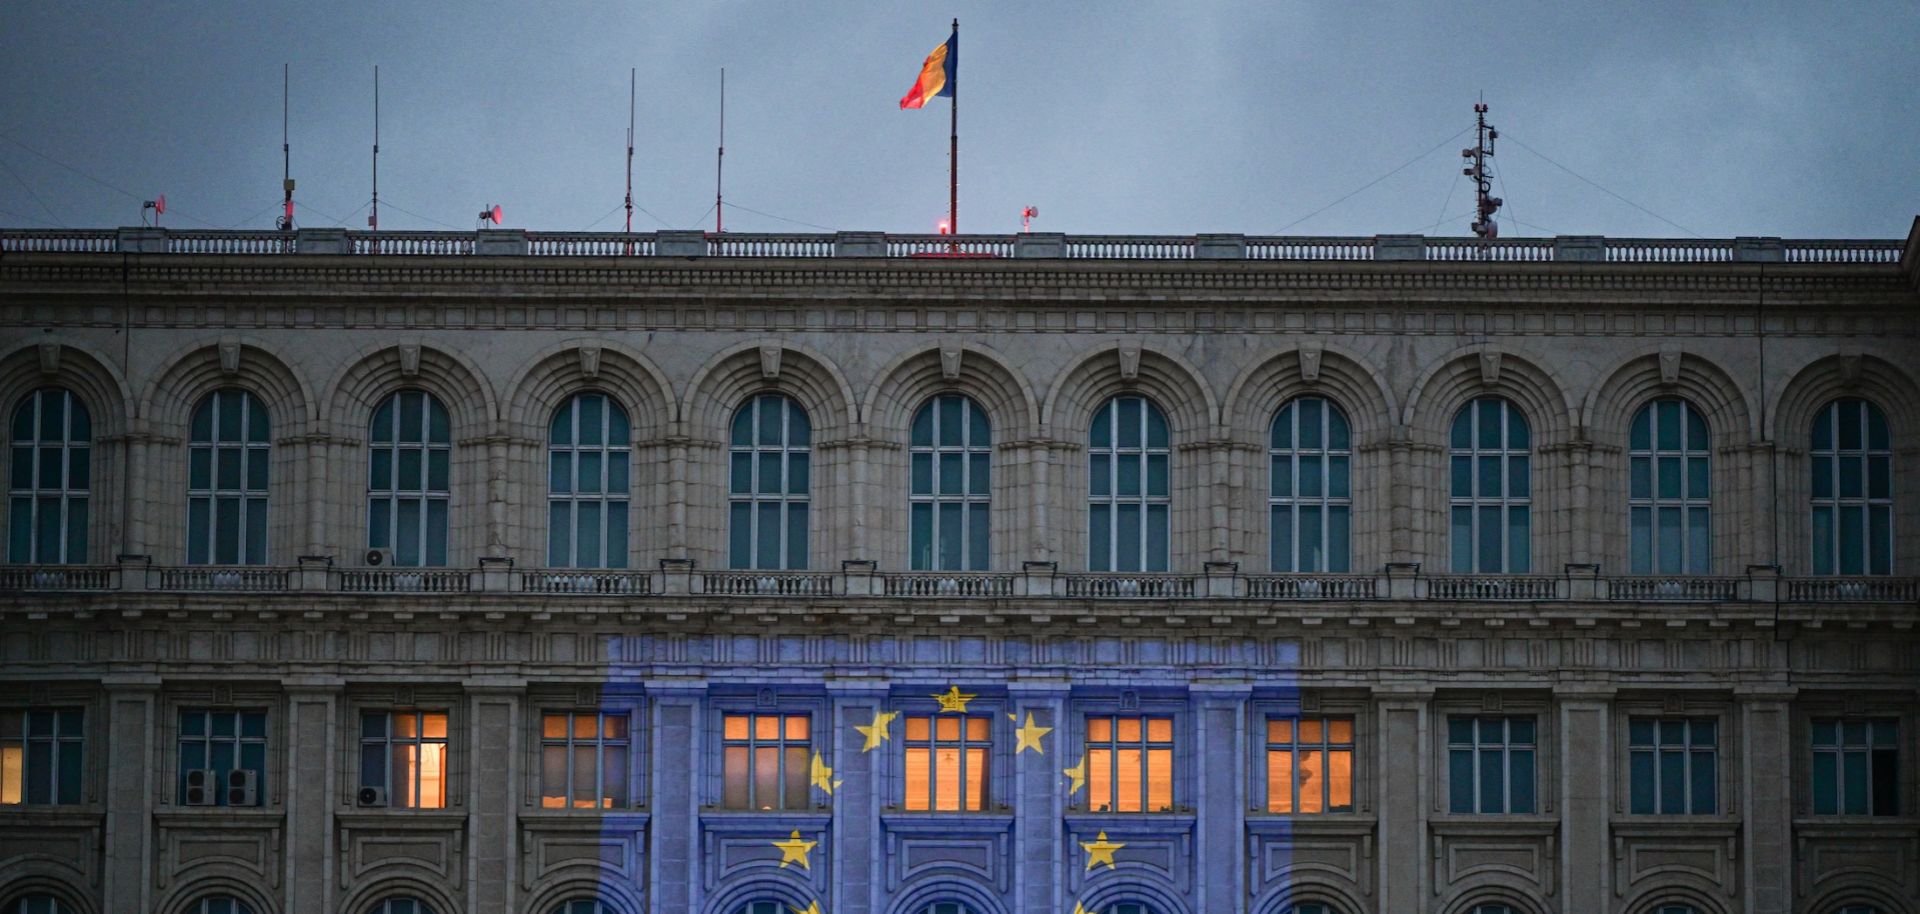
(1766, 800)
(673, 854)
(1039, 800)
(131, 795)
(1220, 801)
(493, 795)
(1587, 758)
(1402, 756)
(857, 858)
(312, 792)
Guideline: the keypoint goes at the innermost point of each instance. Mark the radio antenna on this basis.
(286, 150)
(373, 216)
(631, 84)
(720, 161)
(1484, 226)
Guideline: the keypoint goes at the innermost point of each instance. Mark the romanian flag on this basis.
(938, 75)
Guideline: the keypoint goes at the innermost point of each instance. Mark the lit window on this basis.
(1490, 764)
(401, 906)
(1130, 764)
(951, 453)
(218, 749)
(227, 464)
(769, 480)
(40, 761)
(1673, 765)
(219, 904)
(1852, 462)
(947, 762)
(404, 753)
(407, 478)
(1311, 500)
(946, 907)
(1668, 492)
(583, 760)
(50, 477)
(1129, 488)
(1492, 487)
(1131, 907)
(589, 456)
(1310, 764)
(767, 761)
(39, 904)
(1856, 767)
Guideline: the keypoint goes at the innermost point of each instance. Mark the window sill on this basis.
(591, 819)
(1280, 824)
(384, 817)
(219, 816)
(1855, 826)
(927, 822)
(52, 815)
(761, 821)
(1656, 825)
(1128, 823)
(1531, 824)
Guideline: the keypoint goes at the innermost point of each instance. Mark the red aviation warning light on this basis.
(946, 227)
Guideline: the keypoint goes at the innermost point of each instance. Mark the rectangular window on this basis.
(40, 757)
(1673, 766)
(583, 760)
(1856, 767)
(1130, 764)
(404, 753)
(947, 763)
(766, 761)
(1310, 764)
(223, 758)
(1490, 764)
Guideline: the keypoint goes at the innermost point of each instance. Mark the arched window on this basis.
(401, 906)
(763, 907)
(1492, 909)
(589, 456)
(39, 904)
(581, 906)
(1310, 907)
(952, 453)
(1667, 496)
(1852, 455)
(1310, 503)
(1676, 909)
(227, 454)
(1858, 909)
(219, 904)
(946, 907)
(1492, 483)
(770, 476)
(408, 478)
(52, 471)
(1131, 907)
(1128, 487)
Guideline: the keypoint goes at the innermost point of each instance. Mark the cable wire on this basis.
(1604, 190)
(772, 216)
(33, 193)
(119, 190)
(1402, 167)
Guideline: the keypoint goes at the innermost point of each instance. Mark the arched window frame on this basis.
(401, 905)
(1490, 433)
(391, 448)
(769, 481)
(1850, 442)
(229, 454)
(38, 903)
(946, 907)
(1669, 489)
(589, 483)
(1129, 487)
(950, 512)
(219, 904)
(50, 479)
(581, 906)
(1309, 495)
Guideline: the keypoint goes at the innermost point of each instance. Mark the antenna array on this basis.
(1484, 226)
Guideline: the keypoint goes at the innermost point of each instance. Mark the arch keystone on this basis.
(1489, 368)
(770, 361)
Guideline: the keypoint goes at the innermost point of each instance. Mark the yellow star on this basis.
(1077, 909)
(1029, 736)
(876, 732)
(794, 850)
(1078, 774)
(821, 775)
(953, 700)
(813, 907)
(1100, 850)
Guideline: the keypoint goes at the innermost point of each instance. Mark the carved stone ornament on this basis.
(1670, 366)
(230, 356)
(1310, 364)
(1489, 368)
(1129, 361)
(49, 358)
(770, 361)
(410, 359)
(590, 361)
(950, 362)
(1850, 369)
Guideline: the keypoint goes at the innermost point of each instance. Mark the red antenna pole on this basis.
(632, 83)
(373, 216)
(1487, 203)
(720, 162)
(286, 151)
(953, 148)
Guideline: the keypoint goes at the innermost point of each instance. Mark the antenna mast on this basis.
(632, 83)
(720, 161)
(286, 151)
(373, 218)
(1484, 226)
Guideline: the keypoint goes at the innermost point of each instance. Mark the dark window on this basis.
(589, 460)
(949, 501)
(1851, 457)
(1669, 490)
(1856, 767)
(217, 751)
(1129, 487)
(49, 479)
(409, 478)
(1491, 484)
(1310, 495)
(769, 481)
(228, 455)
(1673, 765)
(1490, 764)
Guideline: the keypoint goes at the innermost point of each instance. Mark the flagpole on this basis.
(953, 151)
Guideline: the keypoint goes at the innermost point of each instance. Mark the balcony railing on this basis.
(873, 244)
(767, 584)
(405, 580)
(1853, 590)
(1133, 586)
(1673, 589)
(936, 584)
(581, 581)
(58, 578)
(1311, 586)
(1492, 588)
(221, 579)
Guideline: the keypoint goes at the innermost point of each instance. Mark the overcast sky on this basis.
(1795, 119)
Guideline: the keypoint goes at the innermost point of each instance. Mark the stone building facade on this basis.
(569, 574)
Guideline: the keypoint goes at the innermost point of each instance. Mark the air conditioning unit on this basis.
(372, 796)
(243, 787)
(379, 558)
(201, 784)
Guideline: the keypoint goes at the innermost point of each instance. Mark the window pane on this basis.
(1705, 784)
(1281, 553)
(1640, 765)
(1519, 540)
(1522, 779)
(1492, 786)
(767, 550)
(1462, 539)
(1460, 781)
(1826, 783)
(797, 536)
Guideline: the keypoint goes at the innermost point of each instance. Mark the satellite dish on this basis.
(491, 214)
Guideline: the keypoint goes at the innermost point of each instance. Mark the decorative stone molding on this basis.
(229, 356)
(590, 361)
(950, 362)
(1670, 365)
(1310, 364)
(409, 360)
(1489, 368)
(49, 359)
(1129, 361)
(770, 361)
(1850, 368)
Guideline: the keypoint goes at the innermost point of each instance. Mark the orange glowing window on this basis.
(583, 759)
(765, 761)
(403, 753)
(947, 763)
(1130, 764)
(1309, 764)
(40, 757)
